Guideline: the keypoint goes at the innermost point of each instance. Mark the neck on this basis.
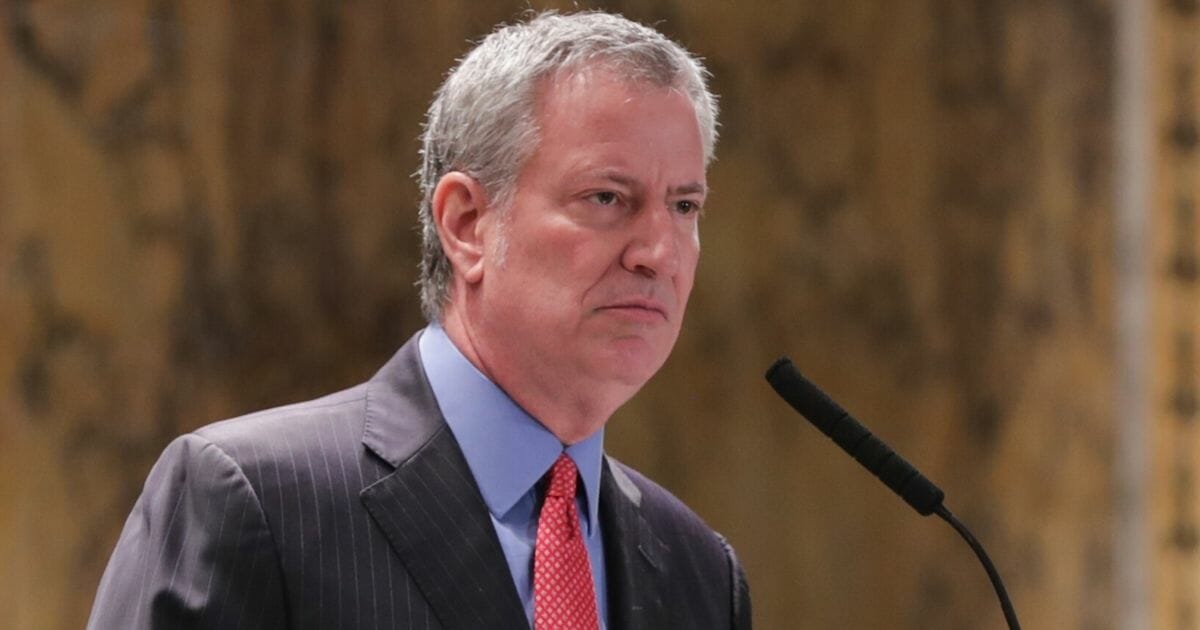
(571, 411)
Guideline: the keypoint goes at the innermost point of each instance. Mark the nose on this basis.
(653, 248)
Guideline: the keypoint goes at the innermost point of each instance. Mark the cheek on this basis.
(553, 270)
(689, 259)
(576, 258)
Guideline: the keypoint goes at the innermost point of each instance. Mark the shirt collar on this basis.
(507, 450)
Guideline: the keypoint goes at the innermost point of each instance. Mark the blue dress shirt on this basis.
(508, 452)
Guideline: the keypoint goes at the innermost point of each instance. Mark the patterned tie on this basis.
(563, 594)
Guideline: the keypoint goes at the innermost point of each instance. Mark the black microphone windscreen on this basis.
(877, 457)
(853, 437)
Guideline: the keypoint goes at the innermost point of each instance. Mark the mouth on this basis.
(638, 309)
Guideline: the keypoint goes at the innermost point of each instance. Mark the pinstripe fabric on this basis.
(357, 510)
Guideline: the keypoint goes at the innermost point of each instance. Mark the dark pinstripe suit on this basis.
(357, 510)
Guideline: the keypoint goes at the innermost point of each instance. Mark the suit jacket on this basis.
(357, 510)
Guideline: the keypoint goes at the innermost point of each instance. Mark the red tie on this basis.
(563, 593)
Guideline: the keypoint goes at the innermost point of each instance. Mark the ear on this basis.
(459, 203)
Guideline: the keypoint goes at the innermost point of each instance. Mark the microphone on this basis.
(854, 438)
(893, 470)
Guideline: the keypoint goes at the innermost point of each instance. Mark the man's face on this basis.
(588, 283)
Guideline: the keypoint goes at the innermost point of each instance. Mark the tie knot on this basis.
(562, 478)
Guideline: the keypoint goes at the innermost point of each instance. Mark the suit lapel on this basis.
(434, 517)
(430, 508)
(634, 556)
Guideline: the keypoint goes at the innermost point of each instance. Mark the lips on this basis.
(638, 309)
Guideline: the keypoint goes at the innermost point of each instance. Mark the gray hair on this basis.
(483, 118)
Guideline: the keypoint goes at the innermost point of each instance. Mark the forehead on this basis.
(597, 115)
(593, 80)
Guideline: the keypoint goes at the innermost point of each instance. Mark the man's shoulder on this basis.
(644, 491)
(666, 513)
(343, 410)
(704, 567)
(323, 423)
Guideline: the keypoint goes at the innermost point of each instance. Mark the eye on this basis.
(687, 206)
(606, 198)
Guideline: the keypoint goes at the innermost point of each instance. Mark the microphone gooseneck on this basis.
(899, 475)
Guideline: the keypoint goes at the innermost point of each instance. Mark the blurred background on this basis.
(973, 222)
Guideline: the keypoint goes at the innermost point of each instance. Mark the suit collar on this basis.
(430, 508)
(634, 555)
(491, 428)
(434, 517)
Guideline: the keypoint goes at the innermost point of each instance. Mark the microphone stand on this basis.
(894, 471)
(1010, 615)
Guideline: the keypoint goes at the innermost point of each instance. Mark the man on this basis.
(465, 486)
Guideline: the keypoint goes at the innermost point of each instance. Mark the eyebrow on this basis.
(618, 178)
(690, 188)
(693, 188)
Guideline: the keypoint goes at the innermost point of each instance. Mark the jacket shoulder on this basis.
(694, 553)
(658, 505)
(322, 423)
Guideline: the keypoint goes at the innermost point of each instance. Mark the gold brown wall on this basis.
(1173, 286)
(206, 208)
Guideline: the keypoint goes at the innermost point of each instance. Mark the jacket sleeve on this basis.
(196, 551)
(740, 590)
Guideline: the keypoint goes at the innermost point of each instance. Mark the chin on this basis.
(633, 361)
